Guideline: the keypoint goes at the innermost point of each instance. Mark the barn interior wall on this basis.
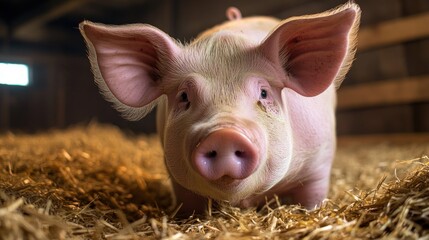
(63, 93)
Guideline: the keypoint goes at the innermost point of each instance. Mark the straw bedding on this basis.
(96, 182)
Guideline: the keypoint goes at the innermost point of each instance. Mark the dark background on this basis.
(45, 35)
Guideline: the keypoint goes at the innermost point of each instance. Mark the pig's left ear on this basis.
(315, 50)
(128, 63)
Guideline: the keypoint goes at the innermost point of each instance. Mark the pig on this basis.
(245, 111)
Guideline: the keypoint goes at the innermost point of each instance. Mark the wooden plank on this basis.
(31, 27)
(370, 139)
(4, 29)
(4, 109)
(421, 117)
(384, 63)
(395, 31)
(417, 57)
(408, 90)
(415, 6)
(386, 119)
(44, 14)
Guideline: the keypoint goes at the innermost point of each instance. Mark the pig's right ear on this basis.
(127, 64)
(315, 50)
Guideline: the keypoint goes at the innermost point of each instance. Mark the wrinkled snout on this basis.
(225, 154)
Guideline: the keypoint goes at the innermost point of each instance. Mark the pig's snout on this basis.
(225, 154)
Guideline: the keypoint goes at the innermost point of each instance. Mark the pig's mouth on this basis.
(226, 181)
(226, 188)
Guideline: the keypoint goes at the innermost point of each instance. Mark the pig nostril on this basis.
(211, 154)
(239, 154)
(225, 155)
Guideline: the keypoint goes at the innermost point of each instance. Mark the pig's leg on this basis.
(191, 202)
(310, 194)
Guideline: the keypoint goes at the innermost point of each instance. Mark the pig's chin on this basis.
(227, 189)
(232, 191)
(237, 190)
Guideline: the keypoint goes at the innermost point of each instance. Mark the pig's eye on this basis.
(264, 94)
(184, 100)
(184, 97)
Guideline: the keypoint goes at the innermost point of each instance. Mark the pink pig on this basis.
(245, 111)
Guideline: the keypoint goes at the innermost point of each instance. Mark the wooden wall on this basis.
(389, 82)
(63, 92)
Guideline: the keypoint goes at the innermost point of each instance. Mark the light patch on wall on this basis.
(14, 74)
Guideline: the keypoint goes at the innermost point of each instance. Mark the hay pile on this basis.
(96, 182)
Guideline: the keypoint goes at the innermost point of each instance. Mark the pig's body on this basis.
(312, 128)
(313, 152)
(248, 107)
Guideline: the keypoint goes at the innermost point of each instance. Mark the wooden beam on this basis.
(4, 109)
(396, 138)
(4, 29)
(408, 90)
(29, 27)
(393, 32)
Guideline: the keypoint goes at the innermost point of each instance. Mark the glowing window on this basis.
(14, 74)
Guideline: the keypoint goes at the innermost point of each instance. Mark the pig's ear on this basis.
(127, 62)
(315, 50)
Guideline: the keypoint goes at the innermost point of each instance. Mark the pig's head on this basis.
(226, 131)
